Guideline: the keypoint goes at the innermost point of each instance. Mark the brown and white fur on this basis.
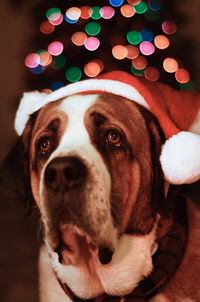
(93, 164)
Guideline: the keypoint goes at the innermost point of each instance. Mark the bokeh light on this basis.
(58, 62)
(73, 74)
(107, 12)
(119, 52)
(152, 73)
(92, 28)
(132, 52)
(187, 86)
(170, 65)
(146, 35)
(100, 63)
(45, 57)
(92, 43)
(116, 3)
(56, 85)
(161, 42)
(58, 21)
(55, 48)
(140, 62)
(96, 12)
(70, 20)
(79, 38)
(73, 13)
(134, 2)
(147, 48)
(141, 7)
(169, 27)
(32, 60)
(127, 10)
(92, 69)
(182, 75)
(37, 70)
(46, 28)
(53, 13)
(152, 16)
(86, 12)
(137, 72)
(134, 37)
(155, 5)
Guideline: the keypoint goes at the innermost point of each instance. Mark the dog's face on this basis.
(96, 178)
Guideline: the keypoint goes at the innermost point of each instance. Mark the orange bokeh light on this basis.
(127, 10)
(133, 52)
(79, 38)
(161, 42)
(100, 63)
(140, 62)
(182, 75)
(170, 65)
(46, 28)
(152, 73)
(119, 52)
(92, 69)
(86, 12)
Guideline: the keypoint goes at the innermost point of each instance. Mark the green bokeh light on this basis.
(152, 15)
(137, 71)
(52, 11)
(92, 28)
(96, 12)
(187, 86)
(73, 74)
(134, 37)
(58, 62)
(141, 8)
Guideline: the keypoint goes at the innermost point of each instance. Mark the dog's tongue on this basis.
(75, 246)
(72, 243)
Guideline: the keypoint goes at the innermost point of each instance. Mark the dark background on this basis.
(19, 233)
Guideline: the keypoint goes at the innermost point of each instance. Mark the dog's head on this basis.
(93, 166)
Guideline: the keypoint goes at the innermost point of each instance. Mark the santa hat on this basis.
(176, 111)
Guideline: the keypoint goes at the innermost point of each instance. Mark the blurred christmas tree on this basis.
(83, 40)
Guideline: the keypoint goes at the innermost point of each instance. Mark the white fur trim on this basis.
(180, 158)
(28, 104)
(33, 101)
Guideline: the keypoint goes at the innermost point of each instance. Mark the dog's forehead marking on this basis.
(75, 108)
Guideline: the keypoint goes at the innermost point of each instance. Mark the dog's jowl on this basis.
(106, 163)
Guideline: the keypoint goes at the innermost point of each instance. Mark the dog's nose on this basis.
(63, 173)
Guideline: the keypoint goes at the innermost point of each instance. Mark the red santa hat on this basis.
(178, 113)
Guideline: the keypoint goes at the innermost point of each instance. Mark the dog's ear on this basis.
(151, 196)
(159, 196)
(160, 199)
(14, 170)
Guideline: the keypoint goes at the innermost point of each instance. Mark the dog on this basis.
(114, 228)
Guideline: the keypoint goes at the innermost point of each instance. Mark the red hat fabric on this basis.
(178, 113)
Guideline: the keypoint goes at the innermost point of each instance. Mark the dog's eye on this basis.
(113, 137)
(44, 145)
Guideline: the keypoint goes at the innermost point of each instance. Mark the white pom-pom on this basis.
(180, 158)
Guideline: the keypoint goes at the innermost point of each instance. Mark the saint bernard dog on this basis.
(113, 226)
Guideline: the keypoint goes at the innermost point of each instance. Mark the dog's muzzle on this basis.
(64, 173)
(67, 183)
